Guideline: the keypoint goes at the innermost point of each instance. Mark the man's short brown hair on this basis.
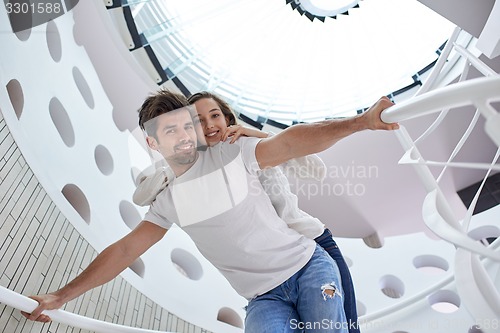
(162, 102)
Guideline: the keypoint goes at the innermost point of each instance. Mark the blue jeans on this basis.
(311, 300)
(327, 242)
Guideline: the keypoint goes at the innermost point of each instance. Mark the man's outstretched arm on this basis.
(106, 266)
(304, 139)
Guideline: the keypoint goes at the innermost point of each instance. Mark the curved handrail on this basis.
(460, 144)
(474, 61)
(477, 291)
(442, 60)
(469, 92)
(470, 58)
(406, 302)
(437, 214)
(407, 159)
(445, 230)
(23, 303)
(423, 293)
(442, 115)
(478, 92)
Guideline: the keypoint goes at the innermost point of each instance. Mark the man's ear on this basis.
(152, 143)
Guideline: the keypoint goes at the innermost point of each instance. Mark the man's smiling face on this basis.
(176, 138)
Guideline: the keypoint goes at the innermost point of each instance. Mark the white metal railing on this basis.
(26, 304)
(478, 292)
(423, 294)
(440, 63)
(478, 92)
(471, 92)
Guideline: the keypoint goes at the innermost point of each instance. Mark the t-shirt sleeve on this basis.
(248, 146)
(153, 215)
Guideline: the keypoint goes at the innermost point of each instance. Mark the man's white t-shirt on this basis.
(219, 202)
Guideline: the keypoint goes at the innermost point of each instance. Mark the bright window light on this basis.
(263, 51)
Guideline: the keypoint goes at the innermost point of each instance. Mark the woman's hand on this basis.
(235, 131)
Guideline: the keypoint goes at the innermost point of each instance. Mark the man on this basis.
(217, 199)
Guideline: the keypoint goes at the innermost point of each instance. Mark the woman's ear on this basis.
(152, 143)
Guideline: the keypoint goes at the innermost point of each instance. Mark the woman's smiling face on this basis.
(212, 120)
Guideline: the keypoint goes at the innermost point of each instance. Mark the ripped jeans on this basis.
(327, 242)
(311, 300)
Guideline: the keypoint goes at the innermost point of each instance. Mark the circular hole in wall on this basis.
(78, 200)
(230, 317)
(444, 301)
(54, 41)
(123, 121)
(430, 264)
(186, 264)
(361, 308)
(23, 35)
(129, 214)
(392, 286)
(71, 4)
(475, 329)
(348, 261)
(374, 241)
(62, 122)
(138, 267)
(16, 96)
(77, 36)
(21, 18)
(103, 159)
(83, 87)
(485, 234)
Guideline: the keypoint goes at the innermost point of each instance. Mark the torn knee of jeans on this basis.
(329, 290)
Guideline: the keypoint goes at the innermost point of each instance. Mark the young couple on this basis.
(218, 124)
(286, 277)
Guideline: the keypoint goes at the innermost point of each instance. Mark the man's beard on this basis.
(183, 156)
(183, 159)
